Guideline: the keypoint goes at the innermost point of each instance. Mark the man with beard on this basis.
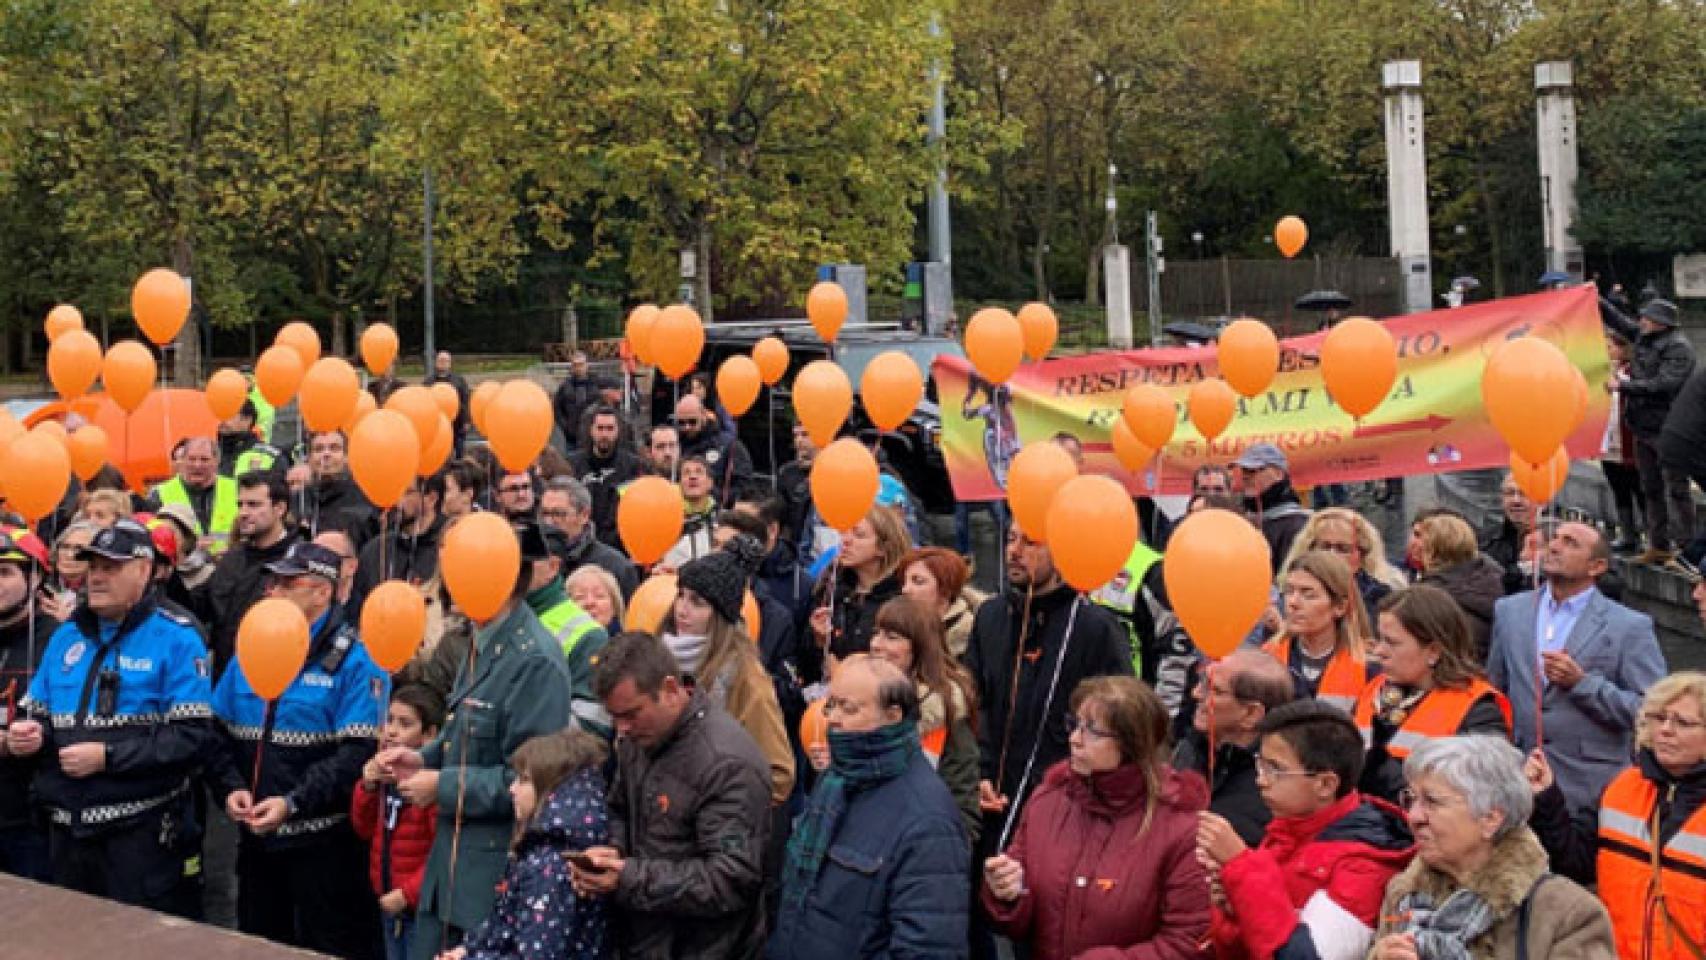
(199, 486)
(663, 451)
(515, 499)
(408, 552)
(604, 465)
(793, 484)
(577, 392)
(23, 640)
(728, 459)
(325, 493)
(241, 576)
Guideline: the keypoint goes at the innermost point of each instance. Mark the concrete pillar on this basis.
(1116, 273)
(1555, 111)
(1407, 180)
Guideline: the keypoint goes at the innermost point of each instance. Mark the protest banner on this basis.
(1433, 420)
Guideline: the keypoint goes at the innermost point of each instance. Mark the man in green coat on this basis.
(578, 635)
(514, 686)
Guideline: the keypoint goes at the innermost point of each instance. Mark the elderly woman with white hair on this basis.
(1479, 886)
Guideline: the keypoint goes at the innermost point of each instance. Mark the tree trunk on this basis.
(1495, 236)
(706, 313)
(339, 345)
(186, 367)
(1093, 278)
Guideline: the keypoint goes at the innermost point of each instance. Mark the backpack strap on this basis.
(1523, 916)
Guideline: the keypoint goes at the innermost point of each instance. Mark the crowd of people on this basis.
(1436, 759)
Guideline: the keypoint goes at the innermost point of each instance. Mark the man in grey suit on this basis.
(1590, 659)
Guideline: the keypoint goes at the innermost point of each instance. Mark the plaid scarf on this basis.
(858, 761)
(1445, 932)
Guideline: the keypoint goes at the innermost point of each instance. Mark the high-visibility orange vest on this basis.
(1645, 927)
(1343, 680)
(1439, 714)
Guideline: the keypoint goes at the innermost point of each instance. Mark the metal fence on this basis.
(1266, 289)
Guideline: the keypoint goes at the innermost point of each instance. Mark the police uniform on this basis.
(23, 837)
(304, 884)
(140, 688)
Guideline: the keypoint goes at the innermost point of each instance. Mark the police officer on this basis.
(302, 877)
(23, 639)
(241, 449)
(119, 711)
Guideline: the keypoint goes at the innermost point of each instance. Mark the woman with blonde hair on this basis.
(595, 590)
(866, 575)
(1324, 637)
(1350, 535)
(1451, 559)
(1114, 815)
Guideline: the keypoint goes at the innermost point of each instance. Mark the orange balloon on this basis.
(364, 405)
(55, 431)
(1290, 234)
(1150, 414)
(844, 483)
(480, 561)
(278, 372)
(160, 301)
(890, 388)
(478, 400)
(649, 518)
(1217, 574)
(1541, 483)
(1249, 356)
(826, 307)
(416, 403)
(448, 400)
(34, 473)
(329, 394)
(1212, 404)
(378, 348)
(677, 339)
(1530, 395)
(272, 643)
(1037, 474)
(1038, 323)
(650, 603)
(73, 363)
(435, 456)
(393, 622)
(87, 446)
(518, 424)
(298, 335)
(638, 331)
(823, 398)
(771, 355)
(1092, 528)
(226, 390)
(1359, 362)
(128, 373)
(750, 617)
(384, 454)
(1129, 450)
(995, 344)
(814, 727)
(61, 319)
(737, 383)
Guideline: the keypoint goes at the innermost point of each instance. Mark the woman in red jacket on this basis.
(1104, 863)
(400, 834)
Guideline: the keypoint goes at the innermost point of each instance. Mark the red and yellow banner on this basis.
(1432, 422)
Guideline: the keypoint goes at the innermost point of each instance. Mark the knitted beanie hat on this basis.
(721, 577)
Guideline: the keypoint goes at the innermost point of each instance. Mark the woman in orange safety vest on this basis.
(1428, 686)
(1324, 640)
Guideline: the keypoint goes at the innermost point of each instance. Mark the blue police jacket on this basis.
(139, 686)
(317, 735)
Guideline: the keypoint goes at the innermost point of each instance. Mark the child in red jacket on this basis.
(400, 832)
(1331, 849)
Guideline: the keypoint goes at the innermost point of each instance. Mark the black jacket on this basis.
(1476, 585)
(1661, 365)
(1504, 548)
(1012, 718)
(408, 556)
(604, 478)
(1233, 794)
(785, 580)
(1282, 517)
(336, 504)
(574, 395)
(793, 484)
(16, 669)
(587, 550)
(730, 463)
(1682, 443)
(238, 581)
(853, 614)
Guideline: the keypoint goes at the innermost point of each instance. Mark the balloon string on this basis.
(260, 746)
(461, 793)
(770, 433)
(1213, 741)
(1539, 662)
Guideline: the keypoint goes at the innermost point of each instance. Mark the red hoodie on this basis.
(1348, 851)
(1098, 884)
(399, 843)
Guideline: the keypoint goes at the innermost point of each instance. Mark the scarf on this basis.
(858, 761)
(689, 650)
(1445, 932)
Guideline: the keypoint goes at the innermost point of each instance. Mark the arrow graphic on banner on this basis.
(1428, 424)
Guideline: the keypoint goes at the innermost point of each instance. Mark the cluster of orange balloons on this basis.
(1088, 521)
(1535, 398)
(997, 341)
(670, 339)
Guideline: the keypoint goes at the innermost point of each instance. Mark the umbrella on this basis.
(1553, 278)
(1465, 284)
(1191, 332)
(1321, 301)
(137, 443)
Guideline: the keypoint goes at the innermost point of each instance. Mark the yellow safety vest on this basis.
(218, 539)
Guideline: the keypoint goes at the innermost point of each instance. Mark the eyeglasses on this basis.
(1269, 770)
(1661, 718)
(1342, 549)
(554, 514)
(1409, 799)
(1075, 723)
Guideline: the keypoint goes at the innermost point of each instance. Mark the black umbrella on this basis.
(1466, 284)
(1321, 301)
(1191, 332)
